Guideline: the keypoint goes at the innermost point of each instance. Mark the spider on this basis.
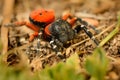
(57, 32)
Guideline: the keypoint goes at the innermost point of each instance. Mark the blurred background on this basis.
(61, 6)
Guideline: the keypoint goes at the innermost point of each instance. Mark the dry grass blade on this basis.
(113, 59)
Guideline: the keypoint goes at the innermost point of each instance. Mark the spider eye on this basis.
(40, 13)
(46, 11)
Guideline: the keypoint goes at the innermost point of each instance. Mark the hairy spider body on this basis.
(58, 31)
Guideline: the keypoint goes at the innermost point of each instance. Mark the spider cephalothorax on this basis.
(62, 30)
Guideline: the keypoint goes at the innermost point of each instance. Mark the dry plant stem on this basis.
(48, 56)
(107, 29)
(113, 59)
(79, 14)
(17, 35)
(21, 47)
(114, 32)
(7, 12)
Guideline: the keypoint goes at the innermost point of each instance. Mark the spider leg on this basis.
(53, 45)
(31, 38)
(56, 45)
(39, 40)
(93, 27)
(28, 24)
(90, 35)
(86, 24)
